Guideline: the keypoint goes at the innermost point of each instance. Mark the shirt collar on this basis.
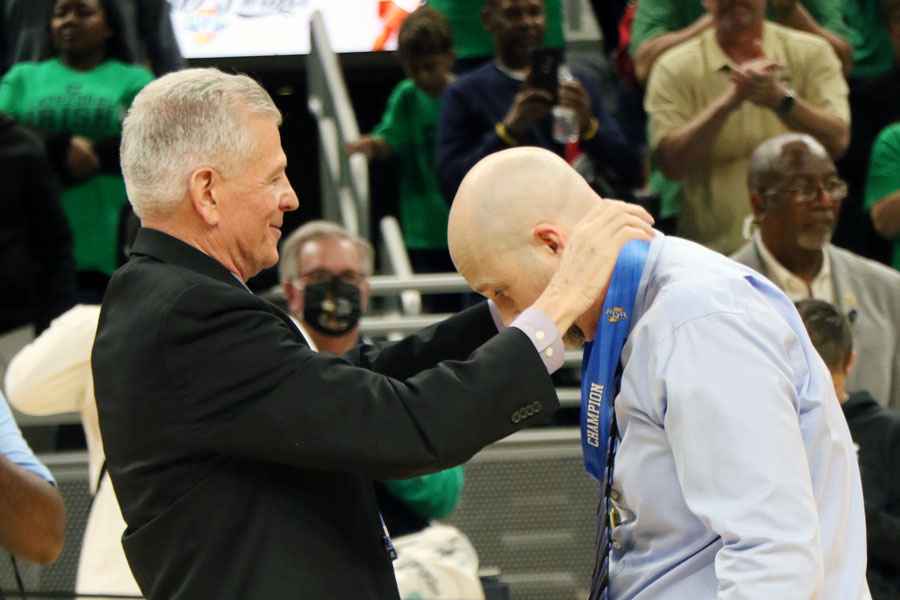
(715, 56)
(795, 288)
(637, 310)
(517, 74)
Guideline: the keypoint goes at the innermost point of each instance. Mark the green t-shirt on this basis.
(469, 35)
(432, 496)
(884, 173)
(51, 97)
(872, 50)
(655, 17)
(409, 126)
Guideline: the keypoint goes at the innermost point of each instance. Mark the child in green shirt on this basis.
(407, 131)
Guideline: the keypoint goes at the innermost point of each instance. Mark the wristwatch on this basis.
(786, 103)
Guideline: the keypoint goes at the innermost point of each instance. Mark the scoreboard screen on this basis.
(237, 28)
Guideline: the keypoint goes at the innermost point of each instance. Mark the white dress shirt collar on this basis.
(820, 288)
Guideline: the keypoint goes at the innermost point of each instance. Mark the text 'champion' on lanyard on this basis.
(601, 357)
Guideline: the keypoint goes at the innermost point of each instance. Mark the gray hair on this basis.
(316, 231)
(763, 167)
(181, 122)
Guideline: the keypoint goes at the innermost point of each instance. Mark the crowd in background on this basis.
(674, 110)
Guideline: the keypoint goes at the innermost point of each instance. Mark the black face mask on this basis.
(331, 307)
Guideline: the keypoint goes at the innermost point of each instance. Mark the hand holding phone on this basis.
(545, 71)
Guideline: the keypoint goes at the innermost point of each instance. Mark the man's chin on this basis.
(574, 338)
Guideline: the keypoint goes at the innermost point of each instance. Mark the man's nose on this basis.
(289, 200)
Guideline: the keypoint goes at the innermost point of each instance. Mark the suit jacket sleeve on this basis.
(247, 387)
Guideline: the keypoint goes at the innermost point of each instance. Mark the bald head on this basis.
(506, 195)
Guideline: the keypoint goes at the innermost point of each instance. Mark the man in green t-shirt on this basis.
(883, 187)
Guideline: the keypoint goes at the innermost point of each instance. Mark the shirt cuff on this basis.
(495, 315)
(542, 332)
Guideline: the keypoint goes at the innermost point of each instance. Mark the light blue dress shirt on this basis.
(14, 447)
(735, 476)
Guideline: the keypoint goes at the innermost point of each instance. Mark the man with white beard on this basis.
(796, 196)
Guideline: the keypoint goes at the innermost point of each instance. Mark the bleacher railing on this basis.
(344, 179)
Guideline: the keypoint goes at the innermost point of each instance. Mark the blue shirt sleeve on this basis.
(14, 446)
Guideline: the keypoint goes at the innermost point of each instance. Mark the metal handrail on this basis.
(425, 283)
(398, 259)
(344, 179)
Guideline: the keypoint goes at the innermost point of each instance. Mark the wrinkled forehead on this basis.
(335, 254)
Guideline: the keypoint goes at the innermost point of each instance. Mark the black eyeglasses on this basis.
(324, 275)
(808, 192)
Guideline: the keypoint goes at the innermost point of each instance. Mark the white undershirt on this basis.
(795, 288)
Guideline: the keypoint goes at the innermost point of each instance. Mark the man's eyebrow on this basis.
(281, 166)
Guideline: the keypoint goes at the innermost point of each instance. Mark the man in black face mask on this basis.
(324, 272)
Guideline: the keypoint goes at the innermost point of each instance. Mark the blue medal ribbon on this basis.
(598, 366)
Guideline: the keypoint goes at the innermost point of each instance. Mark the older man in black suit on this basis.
(243, 461)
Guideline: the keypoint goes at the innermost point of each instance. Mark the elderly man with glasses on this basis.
(796, 196)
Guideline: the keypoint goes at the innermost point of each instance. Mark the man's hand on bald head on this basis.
(528, 205)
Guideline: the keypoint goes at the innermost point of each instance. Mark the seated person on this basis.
(324, 271)
(52, 375)
(495, 106)
(407, 131)
(32, 512)
(876, 432)
(714, 98)
(795, 196)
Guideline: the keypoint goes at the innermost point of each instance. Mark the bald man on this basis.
(241, 459)
(735, 475)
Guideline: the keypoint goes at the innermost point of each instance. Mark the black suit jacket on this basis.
(243, 461)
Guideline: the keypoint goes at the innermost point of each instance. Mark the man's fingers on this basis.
(757, 49)
(536, 95)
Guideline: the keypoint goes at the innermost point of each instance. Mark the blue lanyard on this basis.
(598, 366)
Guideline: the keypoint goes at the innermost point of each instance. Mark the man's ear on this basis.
(549, 237)
(294, 300)
(757, 204)
(204, 188)
(851, 362)
(486, 18)
(364, 291)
